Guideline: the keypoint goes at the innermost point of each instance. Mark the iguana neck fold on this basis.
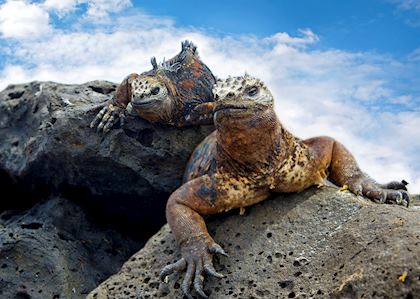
(258, 140)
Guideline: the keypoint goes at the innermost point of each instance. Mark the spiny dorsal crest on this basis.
(243, 87)
(174, 64)
(188, 45)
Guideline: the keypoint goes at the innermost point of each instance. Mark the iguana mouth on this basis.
(220, 107)
(143, 103)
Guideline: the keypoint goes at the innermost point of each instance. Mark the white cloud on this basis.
(61, 7)
(101, 8)
(408, 4)
(409, 11)
(20, 19)
(328, 92)
(308, 37)
(415, 55)
(96, 8)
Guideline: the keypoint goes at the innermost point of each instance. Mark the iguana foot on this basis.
(196, 258)
(107, 117)
(393, 193)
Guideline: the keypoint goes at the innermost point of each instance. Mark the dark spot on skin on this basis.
(294, 158)
(254, 123)
(207, 192)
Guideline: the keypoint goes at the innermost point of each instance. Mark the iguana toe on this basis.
(209, 269)
(174, 267)
(199, 279)
(396, 185)
(116, 115)
(216, 248)
(107, 118)
(98, 117)
(376, 195)
(379, 194)
(356, 188)
(186, 284)
(398, 197)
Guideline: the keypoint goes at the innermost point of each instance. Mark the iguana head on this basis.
(164, 93)
(150, 97)
(245, 119)
(245, 97)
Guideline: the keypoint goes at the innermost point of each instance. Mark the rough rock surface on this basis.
(47, 146)
(315, 244)
(53, 251)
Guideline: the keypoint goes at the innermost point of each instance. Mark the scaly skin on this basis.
(177, 92)
(248, 157)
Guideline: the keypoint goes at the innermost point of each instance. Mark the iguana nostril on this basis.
(230, 95)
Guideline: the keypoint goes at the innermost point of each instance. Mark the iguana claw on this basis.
(393, 193)
(197, 258)
(396, 185)
(108, 117)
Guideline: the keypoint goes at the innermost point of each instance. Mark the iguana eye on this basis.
(252, 91)
(155, 91)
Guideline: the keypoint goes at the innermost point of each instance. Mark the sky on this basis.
(346, 69)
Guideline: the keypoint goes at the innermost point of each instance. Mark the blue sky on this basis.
(356, 25)
(348, 69)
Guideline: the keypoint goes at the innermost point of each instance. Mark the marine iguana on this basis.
(177, 92)
(248, 157)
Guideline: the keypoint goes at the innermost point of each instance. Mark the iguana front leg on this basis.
(343, 170)
(114, 111)
(197, 247)
(201, 196)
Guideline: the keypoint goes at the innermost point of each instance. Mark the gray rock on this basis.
(47, 146)
(53, 251)
(315, 244)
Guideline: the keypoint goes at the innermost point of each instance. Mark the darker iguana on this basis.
(248, 157)
(177, 92)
